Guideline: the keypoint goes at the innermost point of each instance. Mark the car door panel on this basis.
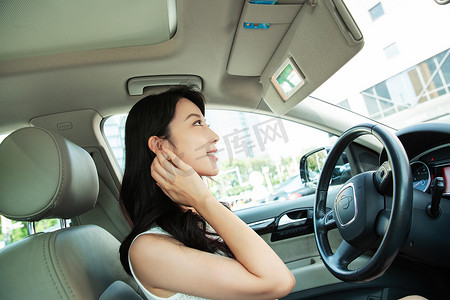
(286, 226)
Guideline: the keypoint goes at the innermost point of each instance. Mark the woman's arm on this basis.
(257, 272)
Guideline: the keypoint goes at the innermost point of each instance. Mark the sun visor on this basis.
(33, 28)
(261, 28)
(322, 38)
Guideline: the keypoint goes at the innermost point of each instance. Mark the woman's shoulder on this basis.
(155, 230)
(154, 247)
(151, 243)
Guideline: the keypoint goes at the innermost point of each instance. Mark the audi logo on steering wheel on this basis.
(345, 205)
(345, 201)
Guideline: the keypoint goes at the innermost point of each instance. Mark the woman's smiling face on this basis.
(193, 139)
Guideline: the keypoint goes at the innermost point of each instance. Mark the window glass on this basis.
(376, 11)
(382, 91)
(391, 51)
(410, 58)
(12, 231)
(429, 67)
(371, 103)
(445, 67)
(114, 131)
(258, 155)
(418, 84)
(344, 104)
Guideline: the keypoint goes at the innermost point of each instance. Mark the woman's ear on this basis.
(154, 143)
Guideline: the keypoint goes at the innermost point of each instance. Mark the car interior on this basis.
(344, 176)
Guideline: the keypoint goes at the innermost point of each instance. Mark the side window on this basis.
(114, 132)
(259, 156)
(12, 231)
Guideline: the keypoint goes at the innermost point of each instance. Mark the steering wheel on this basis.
(368, 213)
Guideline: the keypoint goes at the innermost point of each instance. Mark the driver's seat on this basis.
(43, 175)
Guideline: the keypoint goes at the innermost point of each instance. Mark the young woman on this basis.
(184, 244)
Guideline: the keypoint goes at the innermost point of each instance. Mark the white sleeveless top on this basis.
(148, 295)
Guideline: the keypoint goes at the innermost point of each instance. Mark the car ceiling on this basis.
(42, 85)
(96, 79)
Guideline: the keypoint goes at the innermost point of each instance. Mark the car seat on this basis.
(42, 176)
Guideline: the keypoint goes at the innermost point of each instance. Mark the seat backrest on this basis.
(43, 175)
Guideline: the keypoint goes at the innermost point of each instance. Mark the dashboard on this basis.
(429, 165)
(428, 149)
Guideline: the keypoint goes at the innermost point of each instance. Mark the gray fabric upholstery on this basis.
(43, 175)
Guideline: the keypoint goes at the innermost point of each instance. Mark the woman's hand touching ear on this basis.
(178, 180)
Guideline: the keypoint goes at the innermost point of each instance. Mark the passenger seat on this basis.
(43, 175)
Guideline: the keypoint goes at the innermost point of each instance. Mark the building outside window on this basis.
(376, 11)
(345, 104)
(423, 82)
(391, 51)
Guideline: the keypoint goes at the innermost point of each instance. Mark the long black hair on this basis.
(142, 201)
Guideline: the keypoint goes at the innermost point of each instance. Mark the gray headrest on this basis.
(43, 175)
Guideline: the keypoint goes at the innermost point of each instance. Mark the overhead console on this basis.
(294, 46)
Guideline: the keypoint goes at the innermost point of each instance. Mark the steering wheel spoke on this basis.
(345, 254)
(382, 222)
(329, 222)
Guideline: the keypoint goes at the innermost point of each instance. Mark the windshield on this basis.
(402, 74)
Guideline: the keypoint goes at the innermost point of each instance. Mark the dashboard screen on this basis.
(446, 175)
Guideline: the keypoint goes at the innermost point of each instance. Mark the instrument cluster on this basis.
(429, 165)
